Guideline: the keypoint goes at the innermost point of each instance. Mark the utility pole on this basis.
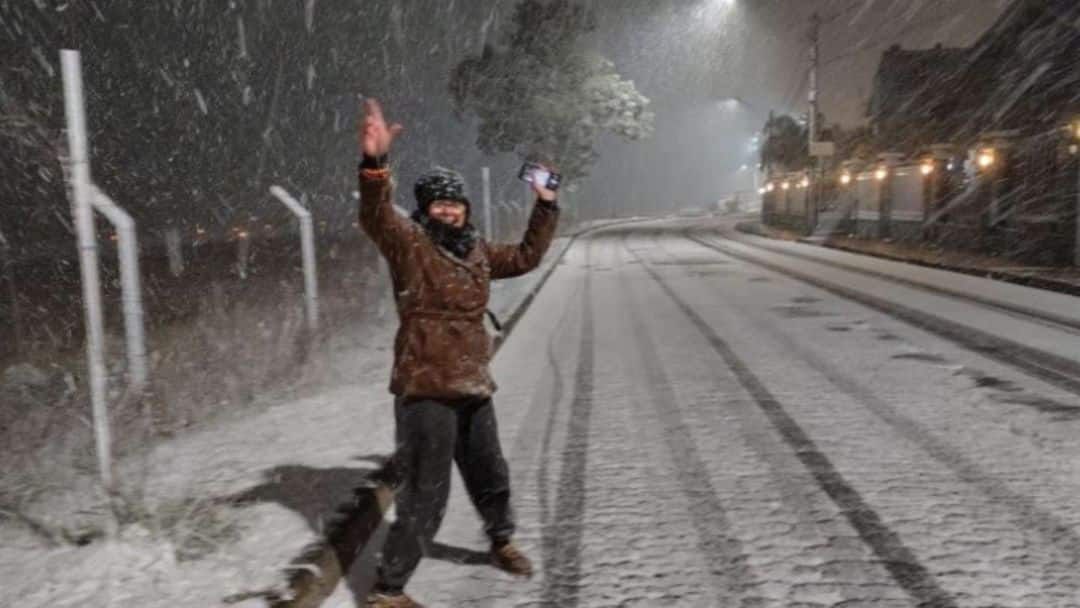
(815, 28)
(815, 184)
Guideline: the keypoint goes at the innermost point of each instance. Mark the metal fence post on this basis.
(131, 291)
(88, 257)
(307, 246)
(485, 178)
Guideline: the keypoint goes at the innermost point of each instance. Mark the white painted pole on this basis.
(243, 248)
(131, 290)
(307, 244)
(525, 200)
(485, 178)
(175, 251)
(88, 257)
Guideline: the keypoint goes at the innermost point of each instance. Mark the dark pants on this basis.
(430, 435)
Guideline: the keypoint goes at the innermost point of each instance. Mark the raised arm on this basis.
(513, 260)
(377, 216)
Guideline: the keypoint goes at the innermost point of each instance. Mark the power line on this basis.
(892, 40)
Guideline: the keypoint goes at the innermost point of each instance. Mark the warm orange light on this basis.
(927, 168)
(881, 173)
(986, 158)
(845, 179)
(785, 185)
(805, 183)
(769, 187)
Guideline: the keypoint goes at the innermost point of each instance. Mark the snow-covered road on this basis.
(690, 428)
(693, 417)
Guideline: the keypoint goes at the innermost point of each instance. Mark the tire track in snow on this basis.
(902, 564)
(1048, 367)
(562, 582)
(1025, 511)
(718, 544)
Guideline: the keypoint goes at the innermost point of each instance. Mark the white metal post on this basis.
(243, 249)
(131, 291)
(175, 251)
(307, 244)
(529, 197)
(485, 178)
(88, 257)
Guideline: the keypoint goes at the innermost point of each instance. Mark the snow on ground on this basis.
(685, 428)
(281, 471)
(648, 468)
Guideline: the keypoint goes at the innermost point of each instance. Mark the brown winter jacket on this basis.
(442, 348)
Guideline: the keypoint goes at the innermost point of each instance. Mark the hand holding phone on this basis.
(539, 175)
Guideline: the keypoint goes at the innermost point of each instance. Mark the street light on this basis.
(927, 167)
(986, 158)
(845, 178)
(769, 187)
(881, 173)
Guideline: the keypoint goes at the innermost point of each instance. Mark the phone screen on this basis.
(536, 174)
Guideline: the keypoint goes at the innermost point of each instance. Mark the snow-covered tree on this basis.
(543, 96)
(786, 146)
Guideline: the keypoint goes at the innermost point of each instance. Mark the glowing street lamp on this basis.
(986, 158)
(845, 178)
(769, 187)
(881, 174)
(805, 183)
(927, 168)
(785, 185)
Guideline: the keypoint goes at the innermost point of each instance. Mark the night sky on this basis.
(688, 56)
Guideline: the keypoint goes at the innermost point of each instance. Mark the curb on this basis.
(316, 572)
(754, 228)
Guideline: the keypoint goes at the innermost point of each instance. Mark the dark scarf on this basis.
(458, 241)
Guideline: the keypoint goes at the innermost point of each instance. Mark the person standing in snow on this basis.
(441, 272)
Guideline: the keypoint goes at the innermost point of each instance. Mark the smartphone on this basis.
(534, 173)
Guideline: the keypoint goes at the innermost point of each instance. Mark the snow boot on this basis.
(508, 558)
(397, 600)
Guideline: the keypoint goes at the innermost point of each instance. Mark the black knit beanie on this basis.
(440, 184)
